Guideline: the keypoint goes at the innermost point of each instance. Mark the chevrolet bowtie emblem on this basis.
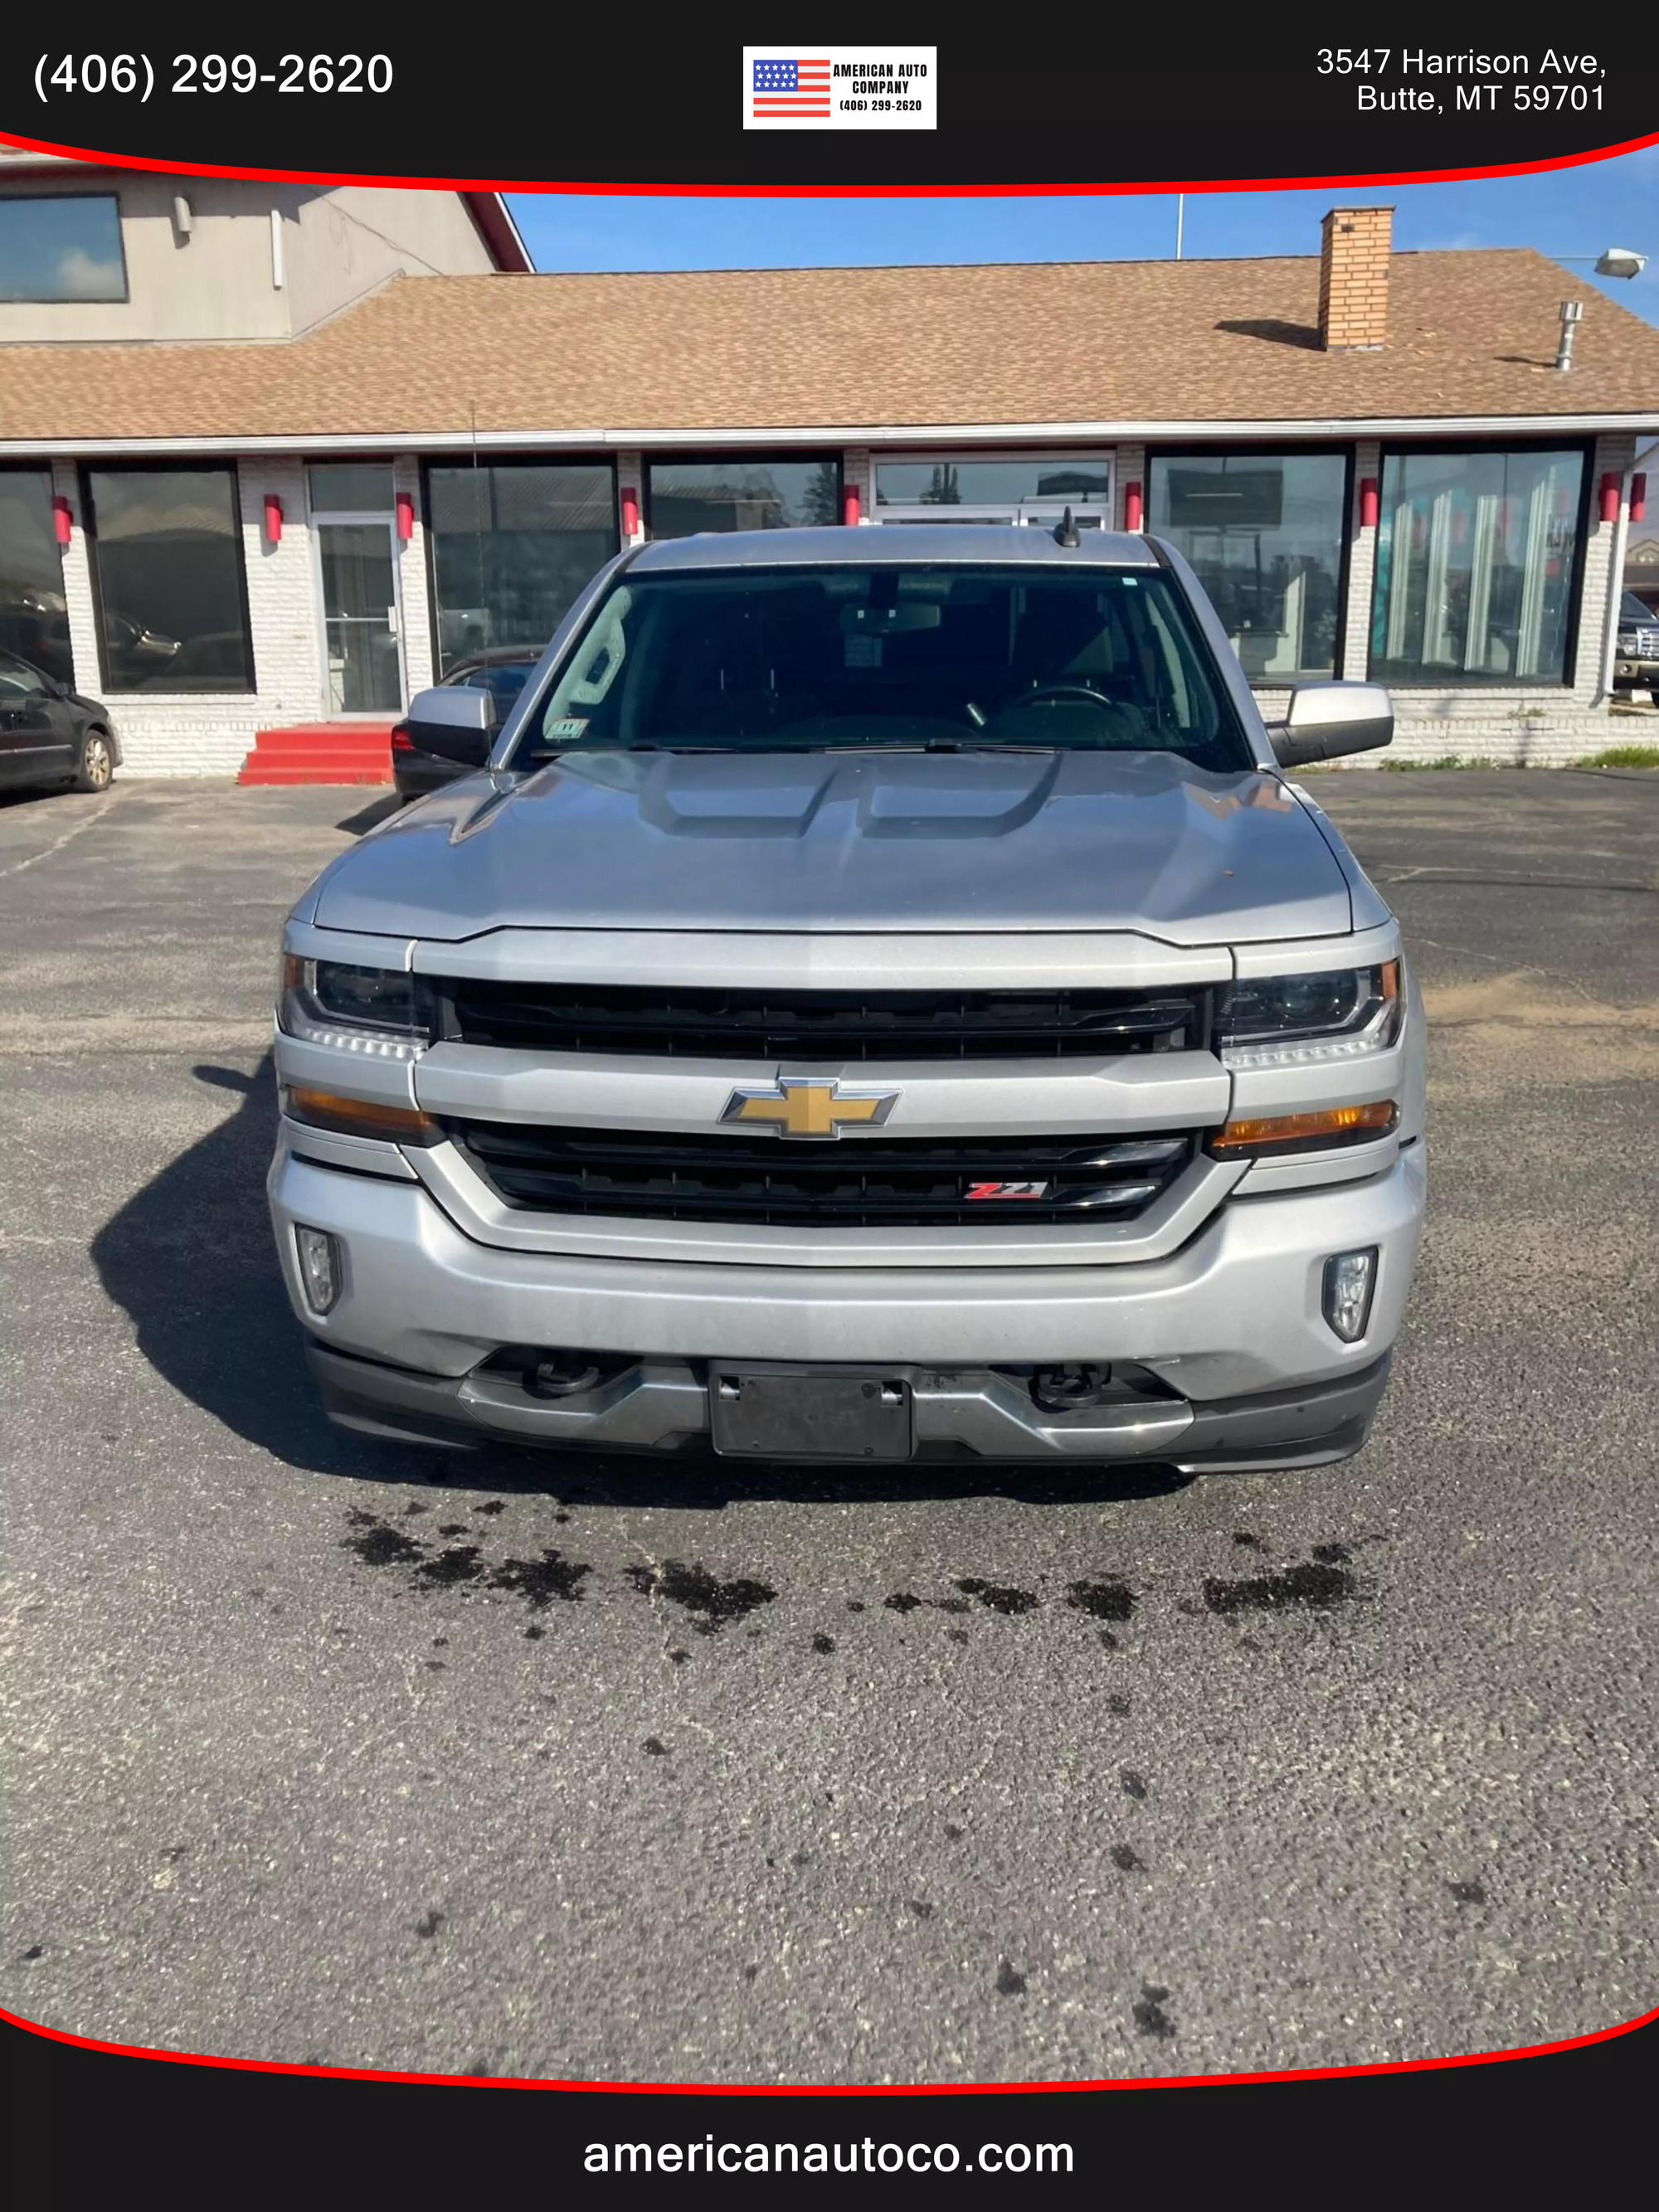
(809, 1106)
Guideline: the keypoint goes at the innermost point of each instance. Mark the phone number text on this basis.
(134, 77)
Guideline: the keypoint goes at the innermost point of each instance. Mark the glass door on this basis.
(362, 618)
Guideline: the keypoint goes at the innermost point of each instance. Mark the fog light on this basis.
(1350, 1278)
(319, 1267)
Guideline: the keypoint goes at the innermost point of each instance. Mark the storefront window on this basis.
(1476, 566)
(34, 615)
(744, 493)
(168, 562)
(350, 487)
(61, 246)
(1265, 533)
(968, 486)
(513, 544)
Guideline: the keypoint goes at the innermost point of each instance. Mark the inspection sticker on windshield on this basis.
(565, 731)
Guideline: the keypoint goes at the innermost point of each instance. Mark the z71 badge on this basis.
(1007, 1190)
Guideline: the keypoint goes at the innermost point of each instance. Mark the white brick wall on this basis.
(1362, 564)
(77, 585)
(1613, 453)
(412, 578)
(209, 734)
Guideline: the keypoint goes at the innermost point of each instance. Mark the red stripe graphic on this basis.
(826, 2089)
(106, 160)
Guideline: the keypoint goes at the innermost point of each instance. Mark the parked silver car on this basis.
(882, 999)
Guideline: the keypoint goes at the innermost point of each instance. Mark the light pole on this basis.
(1616, 261)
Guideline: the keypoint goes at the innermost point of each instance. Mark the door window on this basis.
(360, 611)
(19, 681)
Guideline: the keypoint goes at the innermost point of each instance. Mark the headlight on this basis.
(1285, 1021)
(381, 1013)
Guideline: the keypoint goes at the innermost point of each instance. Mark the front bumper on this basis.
(663, 1405)
(1229, 1329)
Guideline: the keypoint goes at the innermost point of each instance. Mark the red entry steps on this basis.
(321, 752)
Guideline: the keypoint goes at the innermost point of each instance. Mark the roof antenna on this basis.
(1065, 531)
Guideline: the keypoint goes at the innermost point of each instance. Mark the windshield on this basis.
(1634, 613)
(794, 659)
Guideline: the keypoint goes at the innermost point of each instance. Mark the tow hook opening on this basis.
(555, 1371)
(1067, 1389)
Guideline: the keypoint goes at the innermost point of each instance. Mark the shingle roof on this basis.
(1471, 333)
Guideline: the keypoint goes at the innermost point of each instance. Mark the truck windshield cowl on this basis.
(802, 659)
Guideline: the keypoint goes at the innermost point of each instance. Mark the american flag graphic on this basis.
(790, 88)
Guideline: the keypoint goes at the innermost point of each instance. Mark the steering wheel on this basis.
(1065, 691)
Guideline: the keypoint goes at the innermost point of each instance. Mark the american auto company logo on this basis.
(789, 86)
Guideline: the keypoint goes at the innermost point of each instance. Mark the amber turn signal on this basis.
(359, 1117)
(1330, 1124)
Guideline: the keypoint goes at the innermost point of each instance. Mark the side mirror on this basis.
(453, 721)
(1324, 720)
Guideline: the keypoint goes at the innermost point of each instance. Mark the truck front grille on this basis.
(844, 1026)
(854, 1182)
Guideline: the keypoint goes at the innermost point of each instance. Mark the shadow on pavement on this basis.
(190, 1259)
(370, 816)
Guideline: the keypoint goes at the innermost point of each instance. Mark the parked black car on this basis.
(503, 672)
(50, 734)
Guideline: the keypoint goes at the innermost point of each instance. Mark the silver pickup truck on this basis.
(878, 998)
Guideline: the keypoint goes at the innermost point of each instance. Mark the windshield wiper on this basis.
(850, 746)
(942, 745)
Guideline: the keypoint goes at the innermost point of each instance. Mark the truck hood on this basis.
(832, 842)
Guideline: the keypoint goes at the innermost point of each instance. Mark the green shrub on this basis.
(1443, 759)
(1625, 756)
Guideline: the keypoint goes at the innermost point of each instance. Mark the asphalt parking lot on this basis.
(325, 1750)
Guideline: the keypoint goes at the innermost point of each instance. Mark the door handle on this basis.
(392, 620)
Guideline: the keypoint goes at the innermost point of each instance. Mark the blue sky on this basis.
(1564, 211)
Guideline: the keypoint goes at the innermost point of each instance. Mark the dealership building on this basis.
(273, 457)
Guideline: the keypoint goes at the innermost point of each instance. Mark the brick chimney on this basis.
(1353, 277)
